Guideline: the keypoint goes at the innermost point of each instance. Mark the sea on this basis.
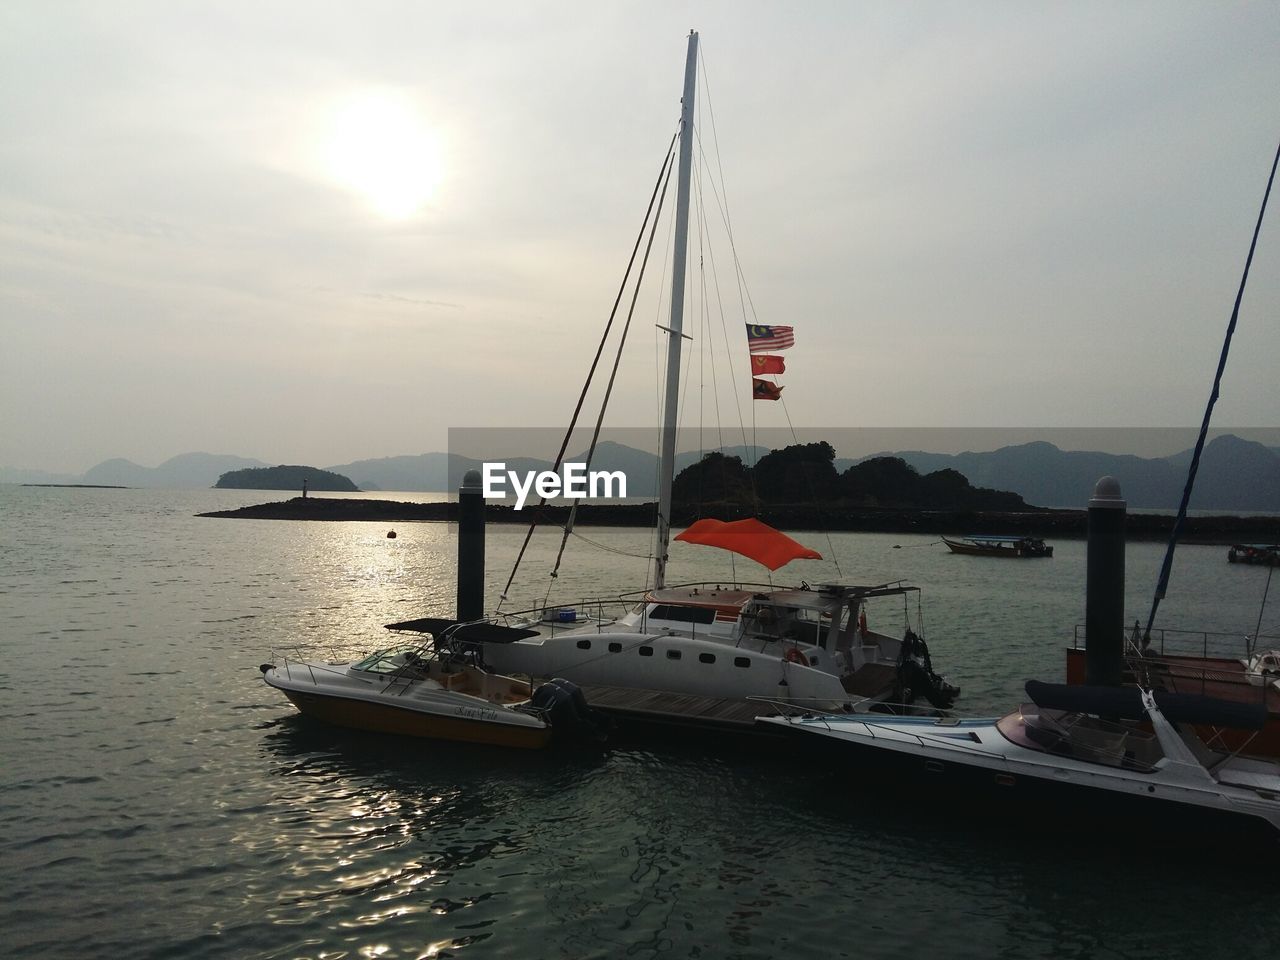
(158, 800)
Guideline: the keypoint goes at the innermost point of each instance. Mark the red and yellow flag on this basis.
(762, 364)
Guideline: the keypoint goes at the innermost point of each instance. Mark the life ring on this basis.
(793, 655)
(862, 622)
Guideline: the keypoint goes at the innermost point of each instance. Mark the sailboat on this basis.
(721, 643)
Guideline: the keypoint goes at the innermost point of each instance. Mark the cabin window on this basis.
(742, 661)
(669, 611)
(706, 658)
(615, 648)
(584, 644)
(673, 654)
(646, 651)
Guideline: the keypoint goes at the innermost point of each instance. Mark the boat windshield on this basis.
(387, 661)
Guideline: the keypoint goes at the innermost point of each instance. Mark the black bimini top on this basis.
(471, 632)
(1126, 702)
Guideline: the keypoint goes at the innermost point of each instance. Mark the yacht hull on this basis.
(991, 783)
(381, 718)
(440, 716)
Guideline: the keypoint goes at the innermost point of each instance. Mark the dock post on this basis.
(471, 547)
(1104, 586)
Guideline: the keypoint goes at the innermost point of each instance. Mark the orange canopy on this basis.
(751, 538)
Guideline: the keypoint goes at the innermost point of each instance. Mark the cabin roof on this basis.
(996, 539)
(823, 596)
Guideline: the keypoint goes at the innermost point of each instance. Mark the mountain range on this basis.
(1235, 475)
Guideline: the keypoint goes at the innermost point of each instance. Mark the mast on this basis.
(667, 460)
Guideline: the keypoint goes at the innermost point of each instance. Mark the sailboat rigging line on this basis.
(733, 377)
(709, 345)
(663, 174)
(1257, 630)
(609, 549)
(744, 292)
(613, 373)
(1163, 583)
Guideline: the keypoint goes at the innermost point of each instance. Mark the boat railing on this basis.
(862, 708)
(1168, 642)
(587, 611)
(1190, 656)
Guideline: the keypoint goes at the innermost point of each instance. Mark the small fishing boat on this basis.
(1056, 757)
(1258, 554)
(984, 546)
(437, 690)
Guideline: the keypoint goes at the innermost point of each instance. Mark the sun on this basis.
(379, 146)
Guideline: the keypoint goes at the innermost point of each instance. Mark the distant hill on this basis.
(285, 478)
(183, 471)
(442, 472)
(1235, 475)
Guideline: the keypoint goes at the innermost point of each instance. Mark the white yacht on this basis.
(1058, 763)
(807, 645)
(435, 691)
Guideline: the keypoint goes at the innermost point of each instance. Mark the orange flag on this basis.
(762, 363)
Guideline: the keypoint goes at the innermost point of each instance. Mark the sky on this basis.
(315, 232)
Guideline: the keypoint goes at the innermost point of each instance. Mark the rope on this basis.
(617, 359)
(1257, 630)
(609, 549)
(663, 173)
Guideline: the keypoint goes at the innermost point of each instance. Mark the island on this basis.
(798, 489)
(285, 478)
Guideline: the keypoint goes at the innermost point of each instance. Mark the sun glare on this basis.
(379, 147)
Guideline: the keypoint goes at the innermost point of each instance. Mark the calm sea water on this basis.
(158, 800)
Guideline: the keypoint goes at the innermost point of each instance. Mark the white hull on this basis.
(467, 705)
(986, 762)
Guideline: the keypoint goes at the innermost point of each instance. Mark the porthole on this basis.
(646, 651)
(742, 661)
(615, 648)
(706, 658)
(584, 644)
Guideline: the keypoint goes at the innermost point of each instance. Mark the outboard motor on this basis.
(561, 703)
(916, 676)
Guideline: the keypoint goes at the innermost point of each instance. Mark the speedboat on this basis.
(435, 690)
(1122, 757)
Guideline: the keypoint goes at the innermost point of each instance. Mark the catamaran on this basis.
(726, 642)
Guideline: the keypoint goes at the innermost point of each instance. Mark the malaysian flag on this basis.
(762, 339)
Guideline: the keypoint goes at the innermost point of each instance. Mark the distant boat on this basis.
(980, 546)
(1260, 554)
